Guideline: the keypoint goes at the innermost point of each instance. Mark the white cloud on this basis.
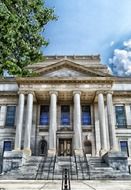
(112, 43)
(127, 44)
(121, 61)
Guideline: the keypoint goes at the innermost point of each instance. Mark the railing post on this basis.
(65, 180)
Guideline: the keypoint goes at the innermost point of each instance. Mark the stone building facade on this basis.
(73, 105)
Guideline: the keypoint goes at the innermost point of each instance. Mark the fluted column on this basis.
(19, 123)
(101, 110)
(53, 123)
(111, 123)
(28, 124)
(77, 123)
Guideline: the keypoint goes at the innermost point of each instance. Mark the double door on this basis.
(65, 147)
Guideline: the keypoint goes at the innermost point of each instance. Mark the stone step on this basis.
(41, 168)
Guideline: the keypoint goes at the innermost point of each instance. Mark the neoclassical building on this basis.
(73, 105)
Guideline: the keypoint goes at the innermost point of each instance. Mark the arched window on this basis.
(87, 147)
(43, 147)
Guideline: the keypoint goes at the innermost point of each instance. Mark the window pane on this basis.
(86, 115)
(7, 146)
(120, 116)
(65, 115)
(124, 147)
(10, 116)
(44, 115)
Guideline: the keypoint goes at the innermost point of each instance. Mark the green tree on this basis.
(22, 23)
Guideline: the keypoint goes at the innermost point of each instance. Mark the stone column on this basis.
(111, 123)
(53, 123)
(77, 123)
(28, 124)
(101, 110)
(19, 123)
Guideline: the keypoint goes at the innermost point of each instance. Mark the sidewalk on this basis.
(56, 185)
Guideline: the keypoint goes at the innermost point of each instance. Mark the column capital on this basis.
(100, 92)
(26, 92)
(104, 92)
(76, 92)
(21, 92)
(109, 92)
(53, 92)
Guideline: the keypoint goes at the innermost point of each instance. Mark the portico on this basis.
(75, 129)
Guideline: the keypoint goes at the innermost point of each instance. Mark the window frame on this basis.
(14, 117)
(48, 113)
(125, 117)
(127, 152)
(68, 116)
(86, 124)
(5, 141)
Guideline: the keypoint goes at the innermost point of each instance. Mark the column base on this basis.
(51, 152)
(114, 151)
(17, 150)
(27, 151)
(103, 152)
(78, 152)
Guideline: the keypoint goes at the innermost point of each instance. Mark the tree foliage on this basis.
(21, 25)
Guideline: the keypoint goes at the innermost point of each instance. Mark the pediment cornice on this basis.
(70, 65)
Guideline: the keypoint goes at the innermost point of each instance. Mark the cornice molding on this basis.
(39, 80)
(8, 93)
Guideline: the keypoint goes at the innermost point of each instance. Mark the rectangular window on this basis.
(44, 115)
(65, 115)
(120, 116)
(124, 147)
(7, 146)
(86, 115)
(10, 116)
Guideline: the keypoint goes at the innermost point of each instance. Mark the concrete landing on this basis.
(56, 185)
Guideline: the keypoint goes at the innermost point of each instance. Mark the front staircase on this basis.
(49, 168)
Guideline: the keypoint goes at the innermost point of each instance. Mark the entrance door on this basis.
(65, 147)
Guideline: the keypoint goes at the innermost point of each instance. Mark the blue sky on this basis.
(88, 27)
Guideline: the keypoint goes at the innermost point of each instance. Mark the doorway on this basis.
(43, 148)
(65, 147)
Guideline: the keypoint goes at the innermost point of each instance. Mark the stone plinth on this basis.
(51, 152)
(117, 160)
(78, 152)
(13, 159)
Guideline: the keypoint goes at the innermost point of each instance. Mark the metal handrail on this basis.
(70, 167)
(81, 167)
(54, 167)
(41, 167)
(66, 179)
(49, 168)
(87, 164)
(76, 165)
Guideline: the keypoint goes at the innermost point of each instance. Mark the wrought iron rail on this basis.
(87, 164)
(66, 179)
(76, 165)
(41, 167)
(54, 162)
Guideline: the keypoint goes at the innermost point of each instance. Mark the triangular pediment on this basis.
(67, 68)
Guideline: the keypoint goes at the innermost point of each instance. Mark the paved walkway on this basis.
(56, 185)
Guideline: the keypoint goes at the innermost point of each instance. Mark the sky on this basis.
(86, 27)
